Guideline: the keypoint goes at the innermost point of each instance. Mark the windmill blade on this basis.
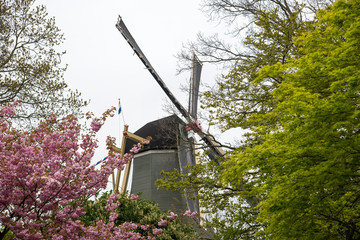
(194, 86)
(126, 34)
(214, 149)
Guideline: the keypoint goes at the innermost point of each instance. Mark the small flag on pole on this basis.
(119, 111)
(100, 161)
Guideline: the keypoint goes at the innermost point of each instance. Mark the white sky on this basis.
(102, 66)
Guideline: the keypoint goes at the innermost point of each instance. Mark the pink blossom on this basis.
(162, 223)
(113, 216)
(47, 173)
(194, 214)
(112, 198)
(96, 125)
(130, 225)
(112, 206)
(145, 227)
(7, 111)
(188, 213)
(172, 216)
(134, 150)
(50, 171)
(157, 231)
(134, 197)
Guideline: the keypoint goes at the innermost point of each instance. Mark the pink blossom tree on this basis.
(46, 177)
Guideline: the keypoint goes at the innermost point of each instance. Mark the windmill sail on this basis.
(214, 149)
(194, 86)
(120, 25)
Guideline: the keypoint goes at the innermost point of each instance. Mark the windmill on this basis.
(169, 149)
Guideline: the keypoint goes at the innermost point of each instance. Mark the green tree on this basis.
(30, 64)
(142, 213)
(308, 164)
(268, 40)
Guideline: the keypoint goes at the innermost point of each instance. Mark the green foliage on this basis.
(296, 173)
(235, 99)
(6, 233)
(225, 211)
(141, 212)
(30, 64)
(309, 162)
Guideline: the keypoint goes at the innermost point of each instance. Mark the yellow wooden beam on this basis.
(121, 150)
(123, 144)
(128, 165)
(135, 137)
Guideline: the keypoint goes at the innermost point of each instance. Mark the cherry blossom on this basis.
(47, 176)
(157, 231)
(188, 213)
(134, 196)
(162, 223)
(172, 216)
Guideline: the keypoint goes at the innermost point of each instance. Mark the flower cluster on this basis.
(172, 216)
(134, 197)
(188, 213)
(46, 177)
(96, 125)
(162, 223)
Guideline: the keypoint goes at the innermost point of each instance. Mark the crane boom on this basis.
(214, 149)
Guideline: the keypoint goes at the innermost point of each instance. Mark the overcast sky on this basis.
(102, 66)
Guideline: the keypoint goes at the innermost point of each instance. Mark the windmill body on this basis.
(167, 151)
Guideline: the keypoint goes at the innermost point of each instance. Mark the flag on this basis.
(100, 161)
(119, 111)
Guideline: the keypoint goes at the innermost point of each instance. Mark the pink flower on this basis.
(113, 216)
(194, 214)
(172, 216)
(7, 111)
(188, 213)
(129, 225)
(96, 125)
(145, 227)
(134, 150)
(162, 223)
(157, 231)
(134, 197)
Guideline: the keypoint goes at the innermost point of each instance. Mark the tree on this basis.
(46, 176)
(30, 64)
(270, 28)
(299, 162)
(308, 164)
